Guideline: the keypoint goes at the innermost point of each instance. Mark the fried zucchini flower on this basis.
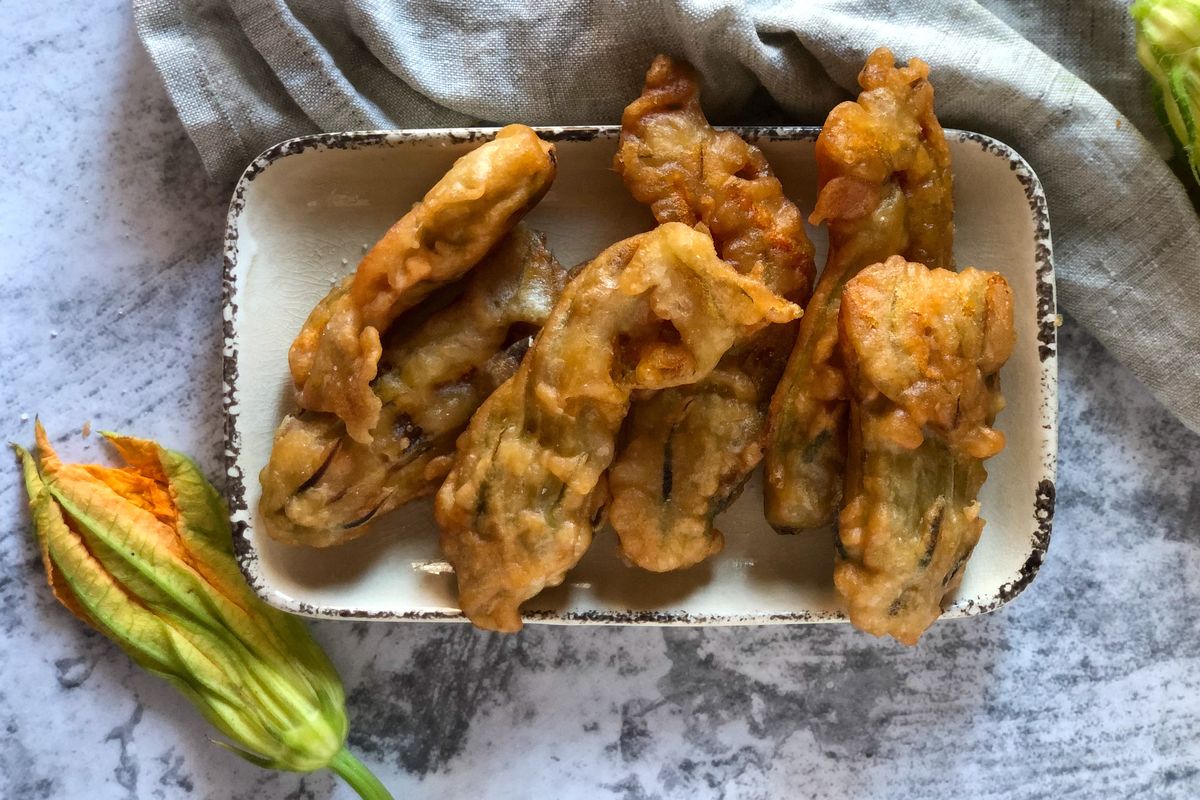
(144, 554)
(526, 490)
(687, 451)
(476, 203)
(923, 350)
(886, 188)
(322, 488)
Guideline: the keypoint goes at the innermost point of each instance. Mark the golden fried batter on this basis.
(321, 487)
(886, 189)
(687, 451)
(335, 357)
(923, 350)
(521, 501)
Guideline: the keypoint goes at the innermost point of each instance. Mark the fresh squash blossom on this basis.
(144, 554)
(1168, 45)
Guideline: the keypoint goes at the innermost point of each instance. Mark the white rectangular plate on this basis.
(305, 211)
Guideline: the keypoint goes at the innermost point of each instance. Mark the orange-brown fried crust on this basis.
(485, 193)
(885, 189)
(321, 487)
(686, 452)
(923, 350)
(524, 494)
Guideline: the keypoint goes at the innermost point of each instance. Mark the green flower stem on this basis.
(361, 779)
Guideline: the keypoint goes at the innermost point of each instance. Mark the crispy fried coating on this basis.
(687, 451)
(886, 189)
(321, 487)
(521, 501)
(923, 350)
(335, 356)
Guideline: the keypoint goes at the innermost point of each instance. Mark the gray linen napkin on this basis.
(1057, 81)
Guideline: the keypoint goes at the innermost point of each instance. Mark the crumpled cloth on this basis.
(1057, 81)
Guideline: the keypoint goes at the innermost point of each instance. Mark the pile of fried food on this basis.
(643, 387)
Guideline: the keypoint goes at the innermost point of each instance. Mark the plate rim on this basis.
(235, 487)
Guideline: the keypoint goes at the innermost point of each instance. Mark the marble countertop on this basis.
(1088, 685)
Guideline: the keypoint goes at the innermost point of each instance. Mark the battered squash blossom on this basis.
(144, 554)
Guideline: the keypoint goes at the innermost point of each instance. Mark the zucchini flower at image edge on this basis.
(1168, 46)
(144, 554)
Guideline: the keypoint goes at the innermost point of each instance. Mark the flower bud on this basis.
(144, 554)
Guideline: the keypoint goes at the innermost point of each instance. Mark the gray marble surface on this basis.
(1087, 686)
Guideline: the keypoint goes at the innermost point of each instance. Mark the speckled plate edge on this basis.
(235, 489)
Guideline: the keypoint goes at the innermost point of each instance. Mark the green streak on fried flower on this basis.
(1168, 45)
(144, 554)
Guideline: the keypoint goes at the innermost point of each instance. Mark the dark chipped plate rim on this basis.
(247, 557)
